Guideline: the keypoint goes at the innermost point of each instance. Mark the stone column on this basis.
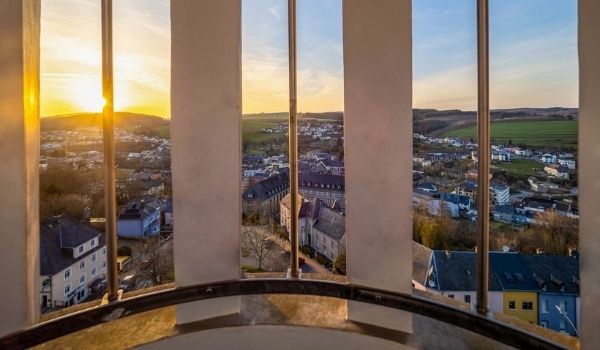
(19, 159)
(378, 152)
(206, 153)
(589, 167)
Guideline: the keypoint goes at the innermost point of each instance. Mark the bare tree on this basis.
(156, 262)
(256, 243)
(559, 233)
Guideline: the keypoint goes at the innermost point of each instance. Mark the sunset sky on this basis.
(533, 55)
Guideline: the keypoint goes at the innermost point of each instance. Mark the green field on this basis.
(520, 167)
(252, 128)
(562, 133)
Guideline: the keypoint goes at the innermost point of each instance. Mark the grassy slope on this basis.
(520, 167)
(532, 133)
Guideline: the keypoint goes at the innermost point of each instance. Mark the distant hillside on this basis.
(427, 121)
(339, 116)
(123, 120)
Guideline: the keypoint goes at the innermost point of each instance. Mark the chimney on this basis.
(539, 251)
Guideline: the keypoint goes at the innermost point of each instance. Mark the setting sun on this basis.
(87, 95)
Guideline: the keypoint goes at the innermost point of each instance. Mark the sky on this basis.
(533, 55)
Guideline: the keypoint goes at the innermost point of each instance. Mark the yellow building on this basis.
(521, 304)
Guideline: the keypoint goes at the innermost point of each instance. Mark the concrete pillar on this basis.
(206, 153)
(19, 159)
(589, 166)
(378, 152)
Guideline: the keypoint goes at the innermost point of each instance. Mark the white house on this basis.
(568, 163)
(72, 258)
(500, 193)
(548, 158)
(501, 156)
(434, 205)
(328, 233)
(320, 226)
(523, 152)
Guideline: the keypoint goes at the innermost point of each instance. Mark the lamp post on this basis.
(567, 318)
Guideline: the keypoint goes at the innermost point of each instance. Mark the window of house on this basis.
(82, 265)
(67, 273)
(544, 324)
(545, 306)
(67, 289)
(93, 242)
(467, 299)
(94, 257)
(94, 271)
(451, 296)
(527, 305)
(562, 305)
(104, 264)
(512, 305)
(80, 249)
(103, 251)
(82, 279)
(563, 326)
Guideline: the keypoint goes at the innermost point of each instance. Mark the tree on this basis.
(256, 243)
(339, 264)
(558, 232)
(156, 262)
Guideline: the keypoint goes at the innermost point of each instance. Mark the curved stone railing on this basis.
(476, 323)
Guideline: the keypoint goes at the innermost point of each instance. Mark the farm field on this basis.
(562, 133)
(252, 129)
(519, 167)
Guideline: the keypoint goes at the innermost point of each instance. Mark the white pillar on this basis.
(378, 152)
(589, 167)
(19, 159)
(206, 154)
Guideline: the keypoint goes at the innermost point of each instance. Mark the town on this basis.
(533, 234)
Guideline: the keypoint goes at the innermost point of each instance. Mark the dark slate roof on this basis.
(427, 186)
(469, 185)
(554, 272)
(455, 198)
(53, 257)
(499, 186)
(139, 209)
(316, 180)
(455, 271)
(314, 206)
(512, 273)
(304, 208)
(538, 202)
(331, 223)
(504, 209)
(333, 163)
(421, 260)
(268, 187)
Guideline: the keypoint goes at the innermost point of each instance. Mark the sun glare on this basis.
(87, 96)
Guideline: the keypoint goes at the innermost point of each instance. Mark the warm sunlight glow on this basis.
(87, 95)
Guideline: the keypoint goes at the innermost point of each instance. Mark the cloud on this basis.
(274, 10)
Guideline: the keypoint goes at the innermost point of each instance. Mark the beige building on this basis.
(320, 226)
